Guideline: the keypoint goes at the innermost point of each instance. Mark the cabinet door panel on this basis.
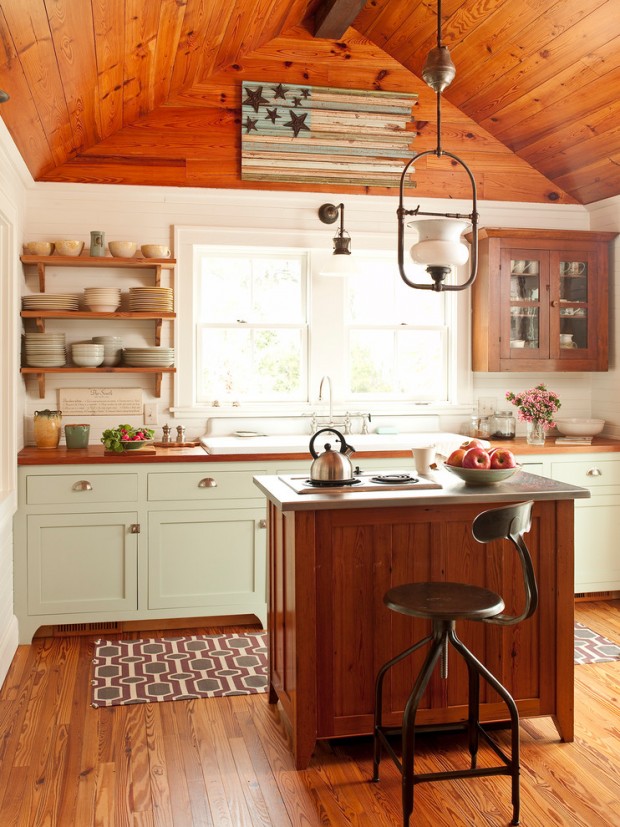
(82, 563)
(214, 559)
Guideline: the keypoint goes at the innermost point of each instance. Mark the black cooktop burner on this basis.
(332, 483)
(394, 479)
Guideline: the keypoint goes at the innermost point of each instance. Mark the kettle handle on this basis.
(341, 439)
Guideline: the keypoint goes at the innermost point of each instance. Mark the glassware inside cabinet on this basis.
(524, 303)
(573, 304)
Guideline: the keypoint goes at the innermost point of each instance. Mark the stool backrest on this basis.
(511, 523)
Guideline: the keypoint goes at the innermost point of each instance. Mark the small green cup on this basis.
(76, 436)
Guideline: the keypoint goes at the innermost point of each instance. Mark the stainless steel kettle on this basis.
(331, 465)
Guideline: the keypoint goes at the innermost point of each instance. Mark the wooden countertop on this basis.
(94, 454)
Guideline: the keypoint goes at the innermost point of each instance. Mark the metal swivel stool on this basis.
(444, 604)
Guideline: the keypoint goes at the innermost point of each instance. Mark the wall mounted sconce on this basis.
(339, 262)
(439, 245)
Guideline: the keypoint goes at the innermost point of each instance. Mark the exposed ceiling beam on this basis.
(333, 17)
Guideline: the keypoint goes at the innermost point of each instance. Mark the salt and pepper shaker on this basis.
(180, 433)
(166, 437)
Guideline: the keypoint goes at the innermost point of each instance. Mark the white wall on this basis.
(14, 179)
(148, 214)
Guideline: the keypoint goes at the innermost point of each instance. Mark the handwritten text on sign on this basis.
(100, 401)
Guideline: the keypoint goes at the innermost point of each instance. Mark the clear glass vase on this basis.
(536, 432)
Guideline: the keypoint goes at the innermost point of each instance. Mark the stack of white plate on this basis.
(50, 301)
(151, 299)
(112, 349)
(102, 299)
(149, 357)
(45, 350)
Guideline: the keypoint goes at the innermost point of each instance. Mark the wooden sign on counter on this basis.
(100, 401)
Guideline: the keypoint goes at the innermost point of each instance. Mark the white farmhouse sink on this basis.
(299, 443)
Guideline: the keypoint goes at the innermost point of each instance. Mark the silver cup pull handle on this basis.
(594, 472)
(207, 482)
(81, 485)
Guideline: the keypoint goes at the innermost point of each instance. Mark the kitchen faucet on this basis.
(329, 385)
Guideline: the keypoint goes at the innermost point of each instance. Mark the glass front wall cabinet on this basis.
(540, 301)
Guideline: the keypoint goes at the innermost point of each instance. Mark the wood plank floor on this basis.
(226, 762)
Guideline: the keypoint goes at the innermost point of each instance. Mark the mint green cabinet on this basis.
(597, 560)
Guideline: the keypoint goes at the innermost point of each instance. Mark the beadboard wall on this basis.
(150, 215)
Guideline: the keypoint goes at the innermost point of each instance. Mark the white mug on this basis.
(424, 458)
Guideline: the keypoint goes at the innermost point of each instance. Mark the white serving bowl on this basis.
(102, 308)
(579, 427)
(83, 360)
(481, 476)
(123, 249)
(69, 248)
(39, 248)
(155, 251)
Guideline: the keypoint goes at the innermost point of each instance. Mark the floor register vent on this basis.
(64, 629)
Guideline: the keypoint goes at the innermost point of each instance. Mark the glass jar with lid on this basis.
(504, 425)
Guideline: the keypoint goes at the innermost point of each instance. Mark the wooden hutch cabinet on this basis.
(540, 301)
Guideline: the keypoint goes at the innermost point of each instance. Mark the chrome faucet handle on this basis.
(313, 423)
(365, 421)
(347, 423)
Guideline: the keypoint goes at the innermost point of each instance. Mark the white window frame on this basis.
(185, 405)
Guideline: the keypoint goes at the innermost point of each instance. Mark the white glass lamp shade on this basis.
(439, 242)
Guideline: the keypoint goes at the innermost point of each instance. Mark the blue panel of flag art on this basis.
(311, 134)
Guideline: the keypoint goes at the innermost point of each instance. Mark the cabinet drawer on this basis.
(205, 485)
(82, 489)
(591, 472)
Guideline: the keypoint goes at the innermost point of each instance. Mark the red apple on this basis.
(503, 458)
(456, 457)
(472, 443)
(477, 458)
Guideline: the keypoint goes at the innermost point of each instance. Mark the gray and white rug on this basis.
(178, 668)
(591, 647)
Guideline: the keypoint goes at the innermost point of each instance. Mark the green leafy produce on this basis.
(115, 438)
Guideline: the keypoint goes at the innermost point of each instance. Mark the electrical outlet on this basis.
(150, 413)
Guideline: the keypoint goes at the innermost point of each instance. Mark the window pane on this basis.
(396, 363)
(251, 288)
(378, 295)
(249, 364)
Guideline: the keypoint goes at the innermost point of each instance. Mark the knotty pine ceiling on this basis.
(148, 91)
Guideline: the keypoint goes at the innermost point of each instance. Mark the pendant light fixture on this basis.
(339, 262)
(439, 245)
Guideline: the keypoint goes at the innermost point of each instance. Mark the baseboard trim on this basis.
(118, 627)
(582, 597)
(8, 647)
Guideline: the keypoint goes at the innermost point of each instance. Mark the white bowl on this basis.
(103, 308)
(83, 360)
(39, 248)
(481, 476)
(123, 249)
(155, 251)
(579, 427)
(69, 248)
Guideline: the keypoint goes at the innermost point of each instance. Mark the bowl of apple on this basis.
(477, 465)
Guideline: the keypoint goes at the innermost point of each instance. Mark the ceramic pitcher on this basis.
(47, 428)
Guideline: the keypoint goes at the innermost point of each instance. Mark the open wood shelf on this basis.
(40, 374)
(41, 262)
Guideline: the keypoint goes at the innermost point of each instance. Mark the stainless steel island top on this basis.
(522, 486)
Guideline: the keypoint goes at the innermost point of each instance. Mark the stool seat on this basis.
(456, 601)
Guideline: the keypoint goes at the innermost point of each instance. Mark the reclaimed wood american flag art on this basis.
(311, 134)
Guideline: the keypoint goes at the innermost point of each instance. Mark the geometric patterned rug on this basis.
(593, 648)
(178, 668)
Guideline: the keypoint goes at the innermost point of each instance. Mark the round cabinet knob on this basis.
(207, 482)
(594, 472)
(555, 304)
(81, 485)
(262, 523)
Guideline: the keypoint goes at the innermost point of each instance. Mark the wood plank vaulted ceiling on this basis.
(148, 91)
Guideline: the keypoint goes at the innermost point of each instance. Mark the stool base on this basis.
(443, 635)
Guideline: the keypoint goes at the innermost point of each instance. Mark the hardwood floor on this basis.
(226, 762)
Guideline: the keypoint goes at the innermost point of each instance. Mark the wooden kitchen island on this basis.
(332, 557)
